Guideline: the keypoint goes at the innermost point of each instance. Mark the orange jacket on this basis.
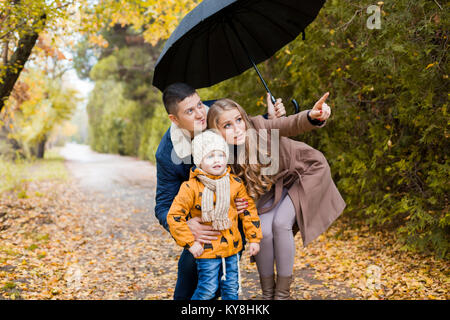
(187, 204)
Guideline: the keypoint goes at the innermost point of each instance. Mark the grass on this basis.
(15, 175)
(32, 247)
(8, 251)
(9, 285)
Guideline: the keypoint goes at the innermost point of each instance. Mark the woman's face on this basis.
(232, 127)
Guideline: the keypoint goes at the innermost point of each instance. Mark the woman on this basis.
(299, 195)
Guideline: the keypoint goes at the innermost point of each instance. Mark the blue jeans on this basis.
(210, 275)
(187, 272)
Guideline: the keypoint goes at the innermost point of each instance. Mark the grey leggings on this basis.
(277, 244)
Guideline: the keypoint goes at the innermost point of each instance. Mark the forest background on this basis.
(386, 142)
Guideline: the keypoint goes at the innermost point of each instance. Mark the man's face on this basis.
(191, 114)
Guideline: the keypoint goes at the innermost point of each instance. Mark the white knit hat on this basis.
(205, 142)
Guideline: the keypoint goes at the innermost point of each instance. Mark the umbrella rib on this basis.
(294, 9)
(231, 48)
(243, 26)
(274, 22)
(207, 55)
(187, 63)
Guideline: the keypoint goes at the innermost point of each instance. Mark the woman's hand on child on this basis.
(202, 233)
(241, 204)
(196, 249)
(254, 248)
(321, 110)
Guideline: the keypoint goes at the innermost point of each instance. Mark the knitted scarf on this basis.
(218, 215)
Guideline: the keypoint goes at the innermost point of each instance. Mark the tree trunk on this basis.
(5, 53)
(41, 149)
(15, 65)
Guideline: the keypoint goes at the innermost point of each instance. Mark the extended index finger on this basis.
(324, 97)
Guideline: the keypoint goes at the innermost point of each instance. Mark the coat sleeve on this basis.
(167, 185)
(250, 219)
(290, 126)
(176, 217)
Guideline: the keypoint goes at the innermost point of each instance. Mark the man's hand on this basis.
(196, 249)
(202, 233)
(321, 110)
(277, 110)
(254, 248)
(241, 205)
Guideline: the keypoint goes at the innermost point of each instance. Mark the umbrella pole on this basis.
(262, 80)
(251, 60)
(294, 102)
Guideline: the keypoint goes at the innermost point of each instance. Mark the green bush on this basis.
(16, 175)
(153, 131)
(126, 116)
(387, 140)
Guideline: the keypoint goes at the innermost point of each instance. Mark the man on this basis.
(188, 114)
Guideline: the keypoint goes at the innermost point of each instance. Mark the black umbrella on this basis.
(220, 39)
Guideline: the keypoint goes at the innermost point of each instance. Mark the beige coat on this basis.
(306, 173)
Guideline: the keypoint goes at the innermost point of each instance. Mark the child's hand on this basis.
(196, 249)
(254, 248)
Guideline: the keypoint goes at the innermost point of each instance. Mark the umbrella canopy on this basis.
(221, 39)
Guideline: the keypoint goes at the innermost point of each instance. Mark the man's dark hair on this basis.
(175, 93)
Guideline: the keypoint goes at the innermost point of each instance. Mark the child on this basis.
(210, 193)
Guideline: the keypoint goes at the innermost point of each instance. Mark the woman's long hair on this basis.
(256, 183)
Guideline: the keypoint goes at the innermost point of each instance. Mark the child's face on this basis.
(215, 163)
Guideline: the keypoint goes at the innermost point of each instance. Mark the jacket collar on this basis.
(195, 171)
(180, 141)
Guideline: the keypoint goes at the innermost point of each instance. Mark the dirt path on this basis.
(119, 225)
(114, 177)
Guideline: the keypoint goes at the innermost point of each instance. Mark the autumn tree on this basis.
(157, 19)
(123, 102)
(21, 23)
(40, 100)
(126, 115)
(143, 24)
(49, 102)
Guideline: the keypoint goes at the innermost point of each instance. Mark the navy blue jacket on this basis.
(171, 172)
(170, 175)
